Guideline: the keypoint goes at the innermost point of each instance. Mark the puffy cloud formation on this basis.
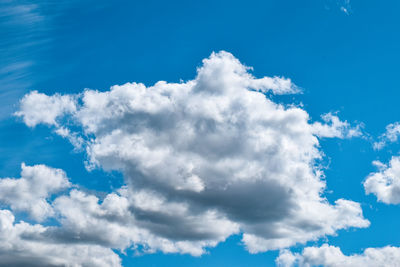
(30, 192)
(202, 160)
(39, 108)
(331, 256)
(111, 223)
(390, 136)
(23, 244)
(385, 183)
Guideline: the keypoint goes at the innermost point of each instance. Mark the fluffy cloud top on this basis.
(30, 192)
(331, 256)
(34, 105)
(202, 160)
(385, 183)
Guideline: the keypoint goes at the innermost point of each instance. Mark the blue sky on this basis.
(342, 55)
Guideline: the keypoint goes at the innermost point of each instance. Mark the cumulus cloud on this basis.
(202, 160)
(23, 244)
(390, 136)
(385, 183)
(331, 256)
(30, 192)
(39, 108)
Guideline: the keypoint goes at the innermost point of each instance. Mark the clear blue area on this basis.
(346, 62)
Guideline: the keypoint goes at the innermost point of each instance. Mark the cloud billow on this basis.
(30, 192)
(202, 160)
(385, 183)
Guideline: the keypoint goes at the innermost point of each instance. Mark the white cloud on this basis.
(331, 256)
(390, 136)
(39, 108)
(30, 192)
(385, 183)
(76, 140)
(23, 244)
(202, 160)
(334, 127)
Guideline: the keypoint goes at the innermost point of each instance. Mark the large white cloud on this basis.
(31, 191)
(202, 160)
(331, 256)
(385, 183)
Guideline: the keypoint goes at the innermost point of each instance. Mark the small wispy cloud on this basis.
(391, 135)
(345, 6)
(342, 5)
(27, 30)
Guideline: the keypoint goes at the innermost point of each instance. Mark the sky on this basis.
(199, 133)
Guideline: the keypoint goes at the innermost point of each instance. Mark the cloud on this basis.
(202, 160)
(33, 105)
(334, 127)
(31, 191)
(390, 136)
(385, 183)
(331, 256)
(23, 244)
